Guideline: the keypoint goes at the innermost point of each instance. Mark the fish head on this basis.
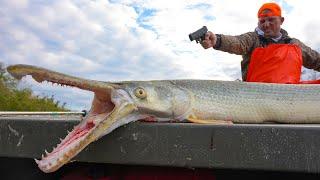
(114, 104)
(161, 99)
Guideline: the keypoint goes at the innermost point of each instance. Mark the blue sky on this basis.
(119, 40)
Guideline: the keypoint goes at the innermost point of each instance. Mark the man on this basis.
(269, 54)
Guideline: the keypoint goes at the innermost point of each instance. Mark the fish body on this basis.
(243, 102)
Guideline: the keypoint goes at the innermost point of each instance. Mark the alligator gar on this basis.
(203, 101)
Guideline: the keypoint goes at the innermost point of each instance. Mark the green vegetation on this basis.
(14, 99)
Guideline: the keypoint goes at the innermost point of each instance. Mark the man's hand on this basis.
(209, 40)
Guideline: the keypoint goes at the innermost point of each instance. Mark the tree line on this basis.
(13, 98)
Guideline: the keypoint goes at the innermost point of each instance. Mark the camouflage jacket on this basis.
(244, 45)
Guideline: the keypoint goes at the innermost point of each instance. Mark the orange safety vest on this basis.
(277, 63)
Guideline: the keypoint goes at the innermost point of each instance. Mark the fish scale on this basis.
(254, 102)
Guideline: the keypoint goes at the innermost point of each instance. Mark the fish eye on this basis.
(140, 93)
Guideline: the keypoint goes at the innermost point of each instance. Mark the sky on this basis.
(117, 40)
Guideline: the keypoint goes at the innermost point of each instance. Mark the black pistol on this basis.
(199, 34)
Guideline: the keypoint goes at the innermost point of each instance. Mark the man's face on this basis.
(271, 26)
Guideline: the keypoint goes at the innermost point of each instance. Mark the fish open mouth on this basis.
(103, 117)
(111, 108)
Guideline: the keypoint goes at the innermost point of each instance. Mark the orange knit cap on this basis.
(274, 10)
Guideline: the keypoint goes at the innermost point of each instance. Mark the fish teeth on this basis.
(37, 161)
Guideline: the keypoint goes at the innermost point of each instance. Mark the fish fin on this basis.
(208, 121)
